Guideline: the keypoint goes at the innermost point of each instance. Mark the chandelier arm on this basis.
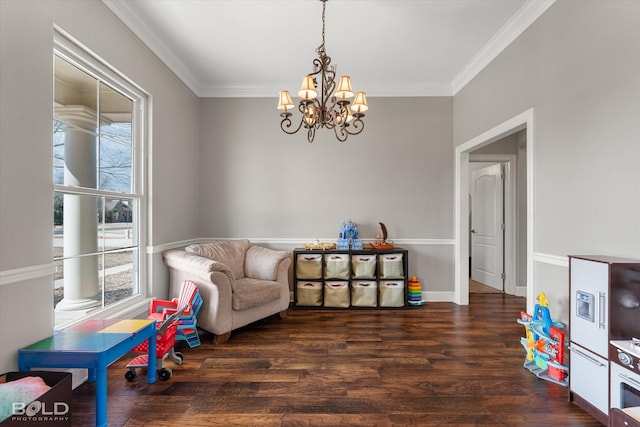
(330, 124)
(286, 123)
(341, 133)
(317, 67)
(311, 134)
(356, 124)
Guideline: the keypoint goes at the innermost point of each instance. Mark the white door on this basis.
(487, 226)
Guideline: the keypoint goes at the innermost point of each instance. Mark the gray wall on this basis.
(257, 181)
(577, 66)
(260, 183)
(26, 184)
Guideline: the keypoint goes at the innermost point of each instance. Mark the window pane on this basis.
(119, 279)
(115, 156)
(117, 231)
(75, 220)
(77, 284)
(75, 125)
(58, 152)
(58, 287)
(74, 152)
(74, 87)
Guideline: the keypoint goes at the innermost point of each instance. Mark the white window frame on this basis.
(68, 48)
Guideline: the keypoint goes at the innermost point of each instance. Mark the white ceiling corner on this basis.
(518, 23)
(148, 36)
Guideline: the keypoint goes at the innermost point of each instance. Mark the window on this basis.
(98, 200)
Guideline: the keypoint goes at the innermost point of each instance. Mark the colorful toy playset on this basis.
(545, 344)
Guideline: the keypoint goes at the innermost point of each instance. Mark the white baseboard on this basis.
(438, 296)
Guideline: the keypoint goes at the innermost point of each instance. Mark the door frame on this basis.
(523, 120)
(509, 200)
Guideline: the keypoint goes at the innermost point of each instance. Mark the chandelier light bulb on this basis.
(310, 115)
(340, 115)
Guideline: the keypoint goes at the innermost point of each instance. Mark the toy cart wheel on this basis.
(130, 375)
(164, 374)
(179, 358)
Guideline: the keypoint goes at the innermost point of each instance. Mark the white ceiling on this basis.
(239, 48)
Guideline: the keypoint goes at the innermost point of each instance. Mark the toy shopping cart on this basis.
(165, 340)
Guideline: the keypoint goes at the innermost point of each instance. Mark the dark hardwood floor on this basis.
(439, 364)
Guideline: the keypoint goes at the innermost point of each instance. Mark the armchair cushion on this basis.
(262, 263)
(250, 293)
(228, 252)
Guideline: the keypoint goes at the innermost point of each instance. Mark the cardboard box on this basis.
(51, 409)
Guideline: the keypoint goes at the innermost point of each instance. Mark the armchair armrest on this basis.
(264, 263)
(200, 266)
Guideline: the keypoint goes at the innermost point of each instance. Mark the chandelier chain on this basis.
(324, 6)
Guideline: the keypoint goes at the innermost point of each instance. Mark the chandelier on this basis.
(324, 105)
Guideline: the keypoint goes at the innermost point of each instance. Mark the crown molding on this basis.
(523, 18)
(510, 31)
(129, 17)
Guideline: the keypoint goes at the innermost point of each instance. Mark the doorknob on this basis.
(473, 231)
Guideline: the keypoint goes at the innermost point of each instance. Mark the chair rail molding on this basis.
(23, 274)
(561, 261)
(292, 242)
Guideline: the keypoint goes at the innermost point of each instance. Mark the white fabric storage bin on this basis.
(336, 266)
(392, 293)
(364, 293)
(363, 266)
(309, 266)
(309, 294)
(336, 294)
(391, 266)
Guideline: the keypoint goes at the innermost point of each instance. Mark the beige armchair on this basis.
(239, 282)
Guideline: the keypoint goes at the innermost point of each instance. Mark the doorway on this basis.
(487, 227)
(518, 246)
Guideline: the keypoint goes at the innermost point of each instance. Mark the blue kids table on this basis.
(93, 344)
